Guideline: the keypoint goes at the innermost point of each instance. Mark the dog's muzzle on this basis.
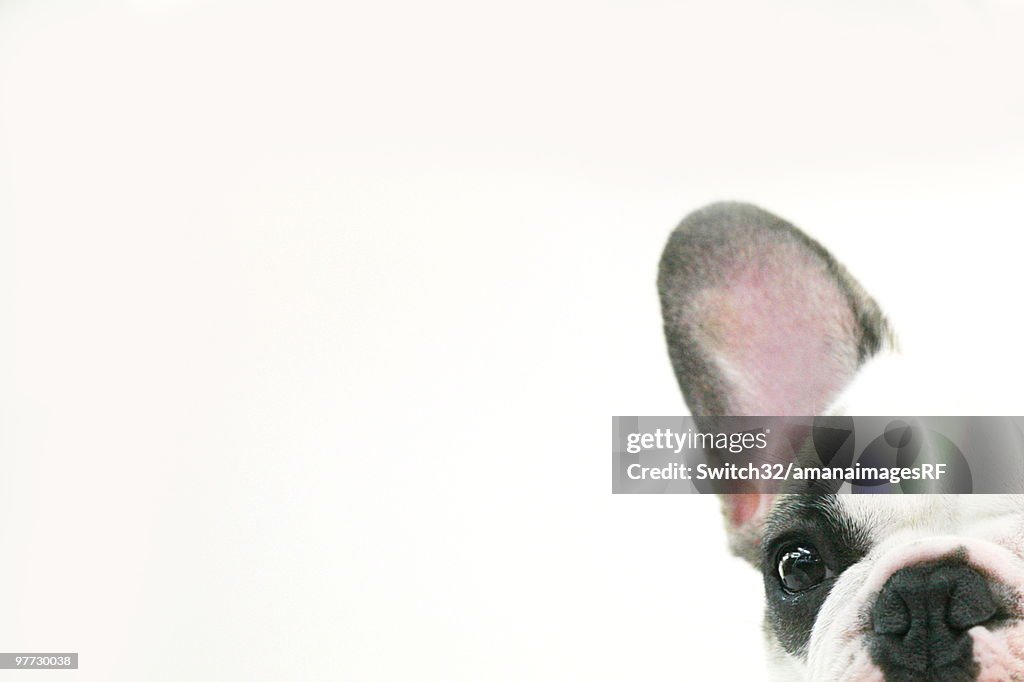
(921, 618)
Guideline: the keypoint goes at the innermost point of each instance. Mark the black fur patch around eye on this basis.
(811, 520)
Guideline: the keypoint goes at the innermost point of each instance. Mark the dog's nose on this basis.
(922, 615)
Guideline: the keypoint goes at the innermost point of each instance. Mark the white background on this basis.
(313, 316)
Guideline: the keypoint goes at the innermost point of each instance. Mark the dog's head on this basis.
(761, 320)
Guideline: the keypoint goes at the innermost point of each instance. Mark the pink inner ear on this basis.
(745, 507)
(782, 336)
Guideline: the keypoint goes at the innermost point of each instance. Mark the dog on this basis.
(761, 320)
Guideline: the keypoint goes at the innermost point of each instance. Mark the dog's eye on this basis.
(801, 568)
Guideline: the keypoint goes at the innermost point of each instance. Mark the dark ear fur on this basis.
(760, 320)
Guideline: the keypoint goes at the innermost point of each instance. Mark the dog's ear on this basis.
(760, 320)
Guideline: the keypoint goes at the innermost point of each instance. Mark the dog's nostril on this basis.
(970, 601)
(890, 615)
